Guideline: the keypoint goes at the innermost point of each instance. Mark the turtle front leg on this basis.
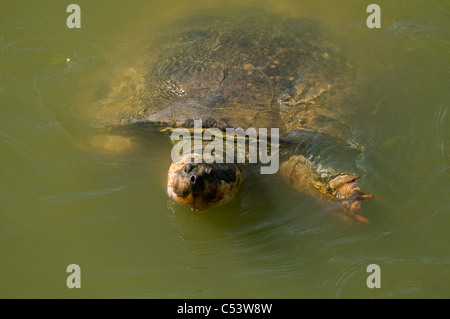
(343, 187)
(299, 173)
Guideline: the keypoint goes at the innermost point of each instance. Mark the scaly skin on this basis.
(299, 173)
(343, 187)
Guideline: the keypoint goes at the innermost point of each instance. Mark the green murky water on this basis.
(63, 203)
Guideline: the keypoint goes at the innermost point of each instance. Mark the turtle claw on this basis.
(365, 196)
(360, 218)
(344, 188)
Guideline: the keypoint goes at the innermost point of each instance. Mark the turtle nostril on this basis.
(196, 179)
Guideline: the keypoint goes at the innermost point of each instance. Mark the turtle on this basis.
(245, 70)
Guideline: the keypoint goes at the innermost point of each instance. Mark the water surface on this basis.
(61, 202)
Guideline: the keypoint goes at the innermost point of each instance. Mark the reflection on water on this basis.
(62, 201)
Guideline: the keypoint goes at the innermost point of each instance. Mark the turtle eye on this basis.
(209, 171)
(188, 168)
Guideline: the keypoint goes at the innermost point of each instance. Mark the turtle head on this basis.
(201, 186)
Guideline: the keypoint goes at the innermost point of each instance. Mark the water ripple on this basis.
(440, 131)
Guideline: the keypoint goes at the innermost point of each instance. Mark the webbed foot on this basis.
(344, 188)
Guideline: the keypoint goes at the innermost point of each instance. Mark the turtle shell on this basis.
(252, 70)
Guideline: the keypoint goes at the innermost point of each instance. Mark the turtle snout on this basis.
(200, 185)
(195, 176)
(196, 179)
